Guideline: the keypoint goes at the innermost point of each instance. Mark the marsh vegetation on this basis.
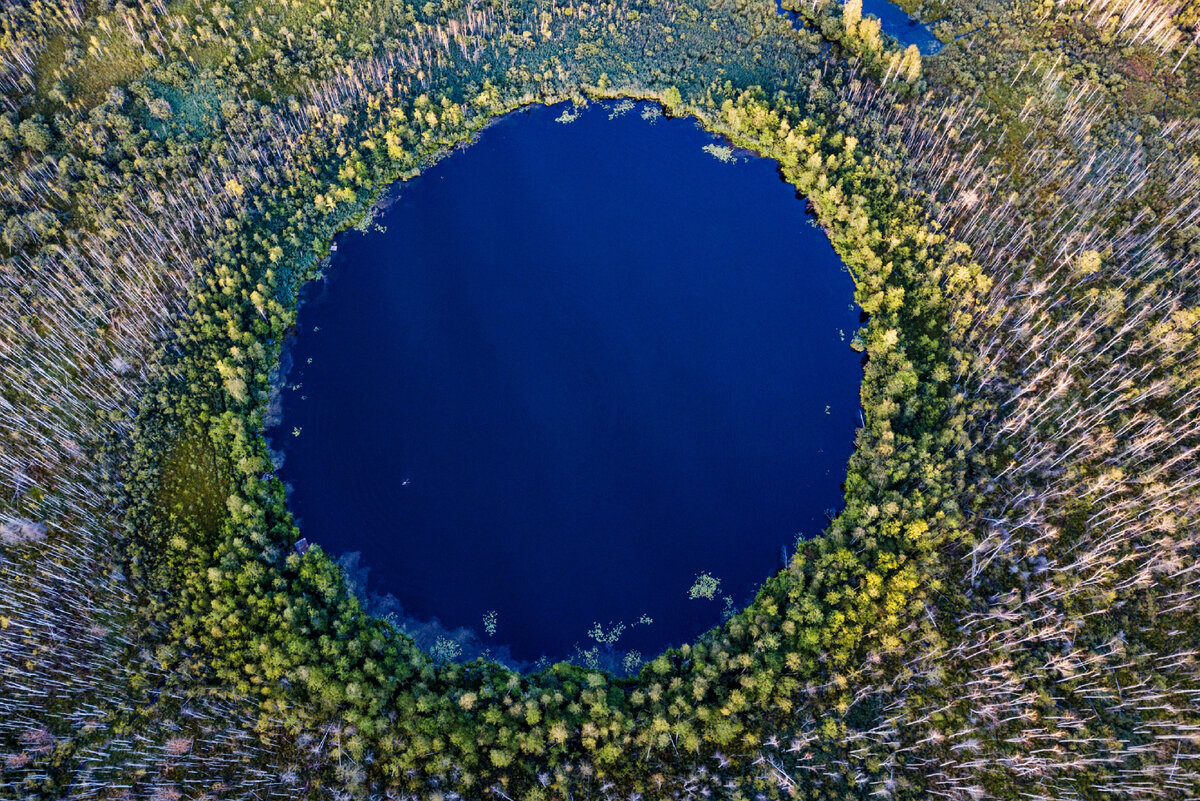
(1004, 607)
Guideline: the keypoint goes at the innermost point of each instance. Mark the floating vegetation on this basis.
(569, 115)
(610, 636)
(705, 586)
(621, 108)
(721, 153)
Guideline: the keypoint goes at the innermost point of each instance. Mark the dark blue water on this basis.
(897, 23)
(585, 363)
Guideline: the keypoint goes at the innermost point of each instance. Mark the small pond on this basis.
(564, 373)
(897, 23)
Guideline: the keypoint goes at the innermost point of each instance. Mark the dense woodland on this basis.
(1006, 606)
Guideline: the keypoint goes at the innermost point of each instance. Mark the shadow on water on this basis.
(575, 392)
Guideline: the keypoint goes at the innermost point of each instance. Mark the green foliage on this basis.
(224, 144)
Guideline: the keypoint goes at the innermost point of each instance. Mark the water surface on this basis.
(585, 363)
(897, 23)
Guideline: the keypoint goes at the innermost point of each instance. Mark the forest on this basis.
(1006, 606)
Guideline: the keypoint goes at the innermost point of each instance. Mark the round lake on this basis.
(568, 370)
